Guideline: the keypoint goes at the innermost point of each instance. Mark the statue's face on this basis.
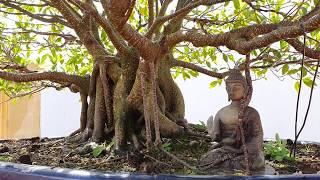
(235, 90)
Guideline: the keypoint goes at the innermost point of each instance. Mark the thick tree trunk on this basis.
(175, 108)
(128, 104)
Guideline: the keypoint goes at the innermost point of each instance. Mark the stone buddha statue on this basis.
(227, 155)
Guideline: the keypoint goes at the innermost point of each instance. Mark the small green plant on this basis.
(167, 146)
(277, 150)
(5, 158)
(98, 149)
(201, 125)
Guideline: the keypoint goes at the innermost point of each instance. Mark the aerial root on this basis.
(181, 161)
(75, 132)
(80, 137)
(145, 104)
(150, 105)
(155, 116)
(135, 141)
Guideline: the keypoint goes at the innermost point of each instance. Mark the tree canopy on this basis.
(37, 32)
(60, 43)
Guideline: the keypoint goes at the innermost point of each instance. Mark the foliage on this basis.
(167, 146)
(277, 150)
(5, 158)
(56, 47)
(239, 12)
(97, 150)
(201, 125)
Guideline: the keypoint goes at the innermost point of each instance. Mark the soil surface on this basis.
(58, 153)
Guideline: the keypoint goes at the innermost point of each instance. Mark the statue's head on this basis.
(236, 85)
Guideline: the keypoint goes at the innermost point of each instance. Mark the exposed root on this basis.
(135, 141)
(75, 132)
(99, 114)
(120, 115)
(155, 115)
(108, 131)
(81, 137)
(156, 160)
(179, 160)
(107, 93)
(145, 103)
(84, 110)
(111, 110)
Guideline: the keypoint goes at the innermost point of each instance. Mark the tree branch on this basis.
(30, 4)
(57, 77)
(164, 8)
(180, 13)
(53, 19)
(151, 13)
(256, 8)
(116, 9)
(246, 39)
(194, 67)
(203, 21)
(279, 63)
(297, 45)
(68, 13)
(106, 25)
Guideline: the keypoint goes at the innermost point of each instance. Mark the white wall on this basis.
(60, 113)
(275, 100)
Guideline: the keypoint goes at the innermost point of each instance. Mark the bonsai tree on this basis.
(121, 55)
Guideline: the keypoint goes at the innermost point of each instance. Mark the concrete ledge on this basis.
(12, 171)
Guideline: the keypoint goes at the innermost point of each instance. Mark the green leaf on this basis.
(278, 138)
(167, 146)
(213, 84)
(296, 86)
(283, 45)
(54, 52)
(225, 57)
(97, 151)
(293, 71)
(308, 81)
(236, 4)
(277, 54)
(230, 56)
(194, 73)
(279, 158)
(285, 69)
(208, 64)
(185, 75)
